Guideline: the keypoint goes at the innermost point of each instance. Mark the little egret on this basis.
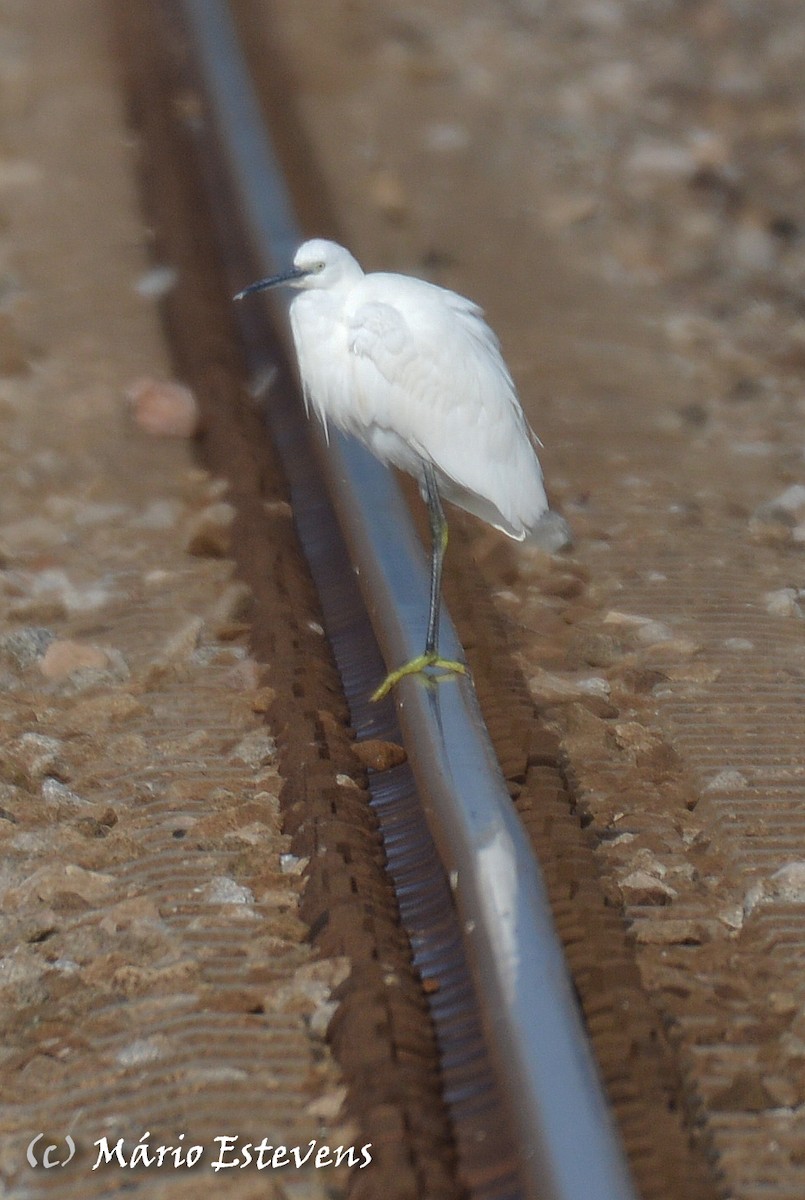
(415, 373)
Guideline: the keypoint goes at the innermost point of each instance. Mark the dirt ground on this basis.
(621, 186)
(155, 971)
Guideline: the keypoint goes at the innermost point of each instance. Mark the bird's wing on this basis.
(428, 371)
(419, 353)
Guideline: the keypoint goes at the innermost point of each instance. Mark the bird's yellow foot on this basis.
(415, 667)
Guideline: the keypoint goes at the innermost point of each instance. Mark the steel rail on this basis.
(568, 1147)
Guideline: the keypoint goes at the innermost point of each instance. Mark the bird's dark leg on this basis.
(438, 532)
(438, 548)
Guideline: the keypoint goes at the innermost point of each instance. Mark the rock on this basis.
(263, 698)
(223, 890)
(597, 649)
(328, 1106)
(727, 780)
(32, 756)
(564, 211)
(652, 632)
(23, 647)
(676, 932)
(788, 883)
(157, 282)
(655, 160)
(547, 688)
(50, 882)
(63, 656)
(245, 677)
(787, 602)
(232, 606)
(377, 755)
(388, 194)
(552, 533)
(256, 749)
(31, 533)
(53, 586)
(752, 246)
(164, 409)
(159, 514)
(779, 521)
(57, 794)
(745, 1094)
(98, 713)
(210, 531)
(642, 888)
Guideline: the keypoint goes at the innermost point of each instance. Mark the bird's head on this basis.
(316, 264)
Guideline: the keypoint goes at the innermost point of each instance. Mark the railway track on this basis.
(155, 972)
(488, 1068)
(488, 948)
(168, 981)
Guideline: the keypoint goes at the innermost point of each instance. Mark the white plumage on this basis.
(416, 374)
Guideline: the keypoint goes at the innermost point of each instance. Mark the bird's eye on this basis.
(317, 267)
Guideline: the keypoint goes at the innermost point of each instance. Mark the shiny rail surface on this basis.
(565, 1143)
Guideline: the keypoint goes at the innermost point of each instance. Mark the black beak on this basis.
(273, 281)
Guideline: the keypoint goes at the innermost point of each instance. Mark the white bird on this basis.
(414, 372)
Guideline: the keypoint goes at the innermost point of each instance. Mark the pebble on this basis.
(744, 1094)
(159, 514)
(210, 531)
(263, 698)
(786, 885)
(652, 158)
(54, 586)
(598, 649)
(635, 738)
(778, 520)
(164, 409)
(738, 644)
(32, 756)
(387, 194)
(176, 653)
(245, 676)
(552, 533)
(31, 534)
(562, 212)
(63, 656)
(728, 780)
(547, 688)
(652, 632)
(789, 882)
(644, 888)
(232, 605)
(751, 246)
(98, 713)
(56, 793)
(293, 864)
(256, 749)
(328, 1106)
(23, 647)
(156, 283)
(223, 890)
(787, 602)
(51, 882)
(74, 511)
(664, 653)
(378, 755)
(676, 931)
(142, 1050)
(446, 136)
